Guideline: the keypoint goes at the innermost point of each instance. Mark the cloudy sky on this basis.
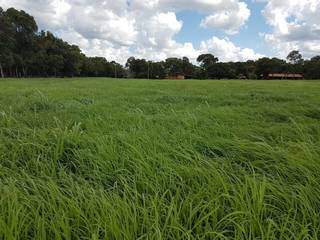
(157, 29)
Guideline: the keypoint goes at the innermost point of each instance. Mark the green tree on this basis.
(312, 68)
(206, 60)
(24, 28)
(265, 66)
(174, 66)
(208, 64)
(157, 70)
(295, 57)
(138, 68)
(315, 59)
(7, 43)
(187, 67)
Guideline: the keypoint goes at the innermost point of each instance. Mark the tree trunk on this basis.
(24, 72)
(1, 71)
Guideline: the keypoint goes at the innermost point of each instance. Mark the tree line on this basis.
(27, 52)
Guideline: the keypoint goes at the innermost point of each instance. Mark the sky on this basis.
(232, 30)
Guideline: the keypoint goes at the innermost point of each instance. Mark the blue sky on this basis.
(248, 36)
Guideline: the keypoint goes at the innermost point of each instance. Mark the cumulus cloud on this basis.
(226, 51)
(295, 25)
(49, 13)
(118, 29)
(230, 21)
(228, 15)
(102, 21)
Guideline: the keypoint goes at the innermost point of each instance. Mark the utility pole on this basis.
(115, 70)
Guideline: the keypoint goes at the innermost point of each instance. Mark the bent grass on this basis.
(108, 159)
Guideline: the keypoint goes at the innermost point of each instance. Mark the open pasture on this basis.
(135, 159)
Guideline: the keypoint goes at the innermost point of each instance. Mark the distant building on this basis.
(292, 76)
(176, 77)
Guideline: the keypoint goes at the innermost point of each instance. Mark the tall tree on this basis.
(138, 68)
(295, 57)
(25, 28)
(312, 68)
(157, 70)
(174, 66)
(265, 66)
(206, 60)
(208, 64)
(187, 67)
(315, 59)
(7, 43)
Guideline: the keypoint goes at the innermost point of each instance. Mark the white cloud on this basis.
(118, 29)
(231, 21)
(226, 51)
(295, 25)
(227, 15)
(102, 22)
(49, 13)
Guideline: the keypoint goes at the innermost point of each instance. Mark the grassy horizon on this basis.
(133, 159)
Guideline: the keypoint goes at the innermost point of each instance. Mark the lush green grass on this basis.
(127, 159)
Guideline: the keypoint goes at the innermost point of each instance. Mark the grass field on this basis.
(128, 159)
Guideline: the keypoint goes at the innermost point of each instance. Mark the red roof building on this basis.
(289, 76)
(176, 77)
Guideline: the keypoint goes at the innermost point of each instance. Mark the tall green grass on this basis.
(126, 159)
